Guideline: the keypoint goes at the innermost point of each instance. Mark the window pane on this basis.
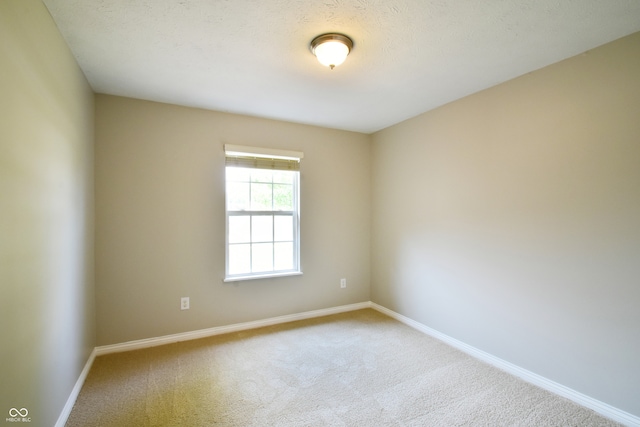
(283, 256)
(261, 197)
(283, 228)
(239, 229)
(239, 259)
(238, 174)
(258, 175)
(283, 177)
(262, 228)
(237, 196)
(282, 197)
(262, 257)
(261, 244)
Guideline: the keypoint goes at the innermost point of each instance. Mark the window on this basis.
(262, 199)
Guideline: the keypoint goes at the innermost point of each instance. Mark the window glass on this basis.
(282, 197)
(282, 228)
(262, 222)
(262, 228)
(261, 257)
(239, 259)
(239, 229)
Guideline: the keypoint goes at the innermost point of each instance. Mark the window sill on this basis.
(262, 276)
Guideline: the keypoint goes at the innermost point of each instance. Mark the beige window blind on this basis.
(262, 158)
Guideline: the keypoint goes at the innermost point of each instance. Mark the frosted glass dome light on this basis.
(331, 49)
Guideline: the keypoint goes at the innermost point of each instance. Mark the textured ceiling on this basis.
(252, 56)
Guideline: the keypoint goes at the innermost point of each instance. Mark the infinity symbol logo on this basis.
(23, 412)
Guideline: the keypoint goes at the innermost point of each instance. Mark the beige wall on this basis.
(510, 220)
(160, 219)
(47, 327)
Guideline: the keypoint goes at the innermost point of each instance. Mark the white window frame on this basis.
(265, 153)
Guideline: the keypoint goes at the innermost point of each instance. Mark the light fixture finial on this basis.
(331, 49)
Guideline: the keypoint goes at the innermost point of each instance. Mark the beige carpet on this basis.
(353, 369)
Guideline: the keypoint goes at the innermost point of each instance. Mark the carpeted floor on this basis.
(353, 369)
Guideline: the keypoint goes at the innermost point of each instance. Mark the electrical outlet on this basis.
(184, 303)
(343, 283)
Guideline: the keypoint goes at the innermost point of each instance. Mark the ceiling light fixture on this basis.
(331, 49)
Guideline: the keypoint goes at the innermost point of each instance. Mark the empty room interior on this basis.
(471, 170)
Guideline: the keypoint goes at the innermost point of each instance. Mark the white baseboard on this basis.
(66, 411)
(203, 333)
(542, 382)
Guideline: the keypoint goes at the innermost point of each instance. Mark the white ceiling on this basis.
(252, 56)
